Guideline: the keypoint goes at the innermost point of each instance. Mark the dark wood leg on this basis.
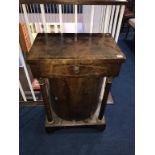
(45, 95)
(105, 96)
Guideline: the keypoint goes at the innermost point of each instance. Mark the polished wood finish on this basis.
(75, 98)
(75, 66)
(68, 55)
(66, 48)
(84, 2)
(108, 83)
(45, 69)
(24, 38)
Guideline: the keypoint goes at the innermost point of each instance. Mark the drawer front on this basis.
(50, 70)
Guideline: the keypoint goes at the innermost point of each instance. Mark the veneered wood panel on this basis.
(75, 98)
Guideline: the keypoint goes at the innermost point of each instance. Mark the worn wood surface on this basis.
(46, 69)
(84, 2)
(66, 48)
(75, 98)
(75, 66)
(54, 55)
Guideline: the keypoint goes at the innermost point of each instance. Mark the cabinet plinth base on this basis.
(92, 122)
(88, 123)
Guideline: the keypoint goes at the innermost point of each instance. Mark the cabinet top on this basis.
(69, 46)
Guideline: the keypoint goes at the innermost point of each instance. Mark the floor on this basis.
(118, 137)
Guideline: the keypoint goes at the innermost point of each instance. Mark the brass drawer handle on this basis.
(76, 69)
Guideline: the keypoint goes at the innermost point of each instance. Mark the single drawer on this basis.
(76, 70)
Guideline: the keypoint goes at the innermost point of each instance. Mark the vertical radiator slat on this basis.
(60, 18)
(50, 5)
(106, 22)
(115, 21)
(69, 8)
(92, 18)
(47, 14)
(43, 17)
(27, 23)
(119, 22)
(54, 15)
(111, 18)
(50, 16)
(21, 19)
(26, 73)
(75, 11)
(103, 9)
(34, 14)
(38, 15)
(22, 92)
(31, 11)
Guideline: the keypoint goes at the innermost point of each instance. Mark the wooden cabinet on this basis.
(75, 65)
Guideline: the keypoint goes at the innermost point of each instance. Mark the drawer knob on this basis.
(56, 98)
(76, 69)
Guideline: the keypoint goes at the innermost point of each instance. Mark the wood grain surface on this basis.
(75, 66)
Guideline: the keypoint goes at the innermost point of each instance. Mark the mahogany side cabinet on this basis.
(72, 70)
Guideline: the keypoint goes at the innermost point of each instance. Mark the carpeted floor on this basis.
(118, 137)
